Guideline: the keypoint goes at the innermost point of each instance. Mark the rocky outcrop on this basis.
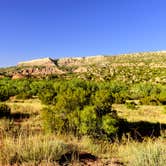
(36, 71)
(38, 67)
(18, 76)
(48, 66)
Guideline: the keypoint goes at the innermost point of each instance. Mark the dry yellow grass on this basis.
(145, 153)
(142, 113)
(25, 106)
(29, 108)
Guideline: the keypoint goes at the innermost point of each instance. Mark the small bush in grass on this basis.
(24, 95)
(131, 105)
(4, 110)
(149, 101)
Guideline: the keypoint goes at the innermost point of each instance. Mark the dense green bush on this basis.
(79, 122)
(80, 109)
(47, 93)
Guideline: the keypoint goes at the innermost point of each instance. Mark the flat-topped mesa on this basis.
(76, 61)
(38, 62)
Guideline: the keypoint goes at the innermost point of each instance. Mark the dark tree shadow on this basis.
(19, 115)
(16, 116)
(83, 157)
(141, 129)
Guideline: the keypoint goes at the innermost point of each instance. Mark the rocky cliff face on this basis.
(48, 66)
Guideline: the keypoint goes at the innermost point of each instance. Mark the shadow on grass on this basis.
(141, 129)
(82, 157)
(16, 116)
(19, 115)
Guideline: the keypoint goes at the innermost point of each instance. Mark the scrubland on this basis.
(112, 113)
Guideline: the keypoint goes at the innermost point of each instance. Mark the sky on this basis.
(31, 29)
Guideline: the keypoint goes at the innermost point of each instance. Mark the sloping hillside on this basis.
(149, 66)
(38, 62)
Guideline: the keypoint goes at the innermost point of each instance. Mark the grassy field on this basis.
(141, 113)
(147, 113)
(26, 106)
(23, 141)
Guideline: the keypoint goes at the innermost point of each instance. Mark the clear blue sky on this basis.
(32, 29)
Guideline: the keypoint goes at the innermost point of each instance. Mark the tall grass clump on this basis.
(148, 153)
(32, 149)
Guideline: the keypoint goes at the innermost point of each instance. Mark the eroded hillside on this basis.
(146, 66)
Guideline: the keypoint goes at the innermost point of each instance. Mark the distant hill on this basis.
(100, 66)
(144, 57)
(38, 62)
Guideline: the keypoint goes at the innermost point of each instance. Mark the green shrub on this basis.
(79, 108)
(89, 121)
(149, 101)
(79, 122)
(24, 95)
(109, 124)
(131, 105)
(162, 97)
(4, 93)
